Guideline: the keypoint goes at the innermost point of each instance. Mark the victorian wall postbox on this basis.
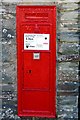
(36, 60)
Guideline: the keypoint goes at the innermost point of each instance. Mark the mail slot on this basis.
(36, 60)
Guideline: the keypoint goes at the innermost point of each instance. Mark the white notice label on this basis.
(36, 41)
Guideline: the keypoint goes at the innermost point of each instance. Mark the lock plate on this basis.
(36, 56)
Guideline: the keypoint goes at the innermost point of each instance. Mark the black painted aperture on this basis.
(45, 38)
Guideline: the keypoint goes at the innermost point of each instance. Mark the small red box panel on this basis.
(36, 60)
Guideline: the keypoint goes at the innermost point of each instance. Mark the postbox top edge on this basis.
(36, 6)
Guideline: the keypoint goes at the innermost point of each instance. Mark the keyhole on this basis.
(30, 71)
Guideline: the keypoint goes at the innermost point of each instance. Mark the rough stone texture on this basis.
(68, 58)
(0, 59)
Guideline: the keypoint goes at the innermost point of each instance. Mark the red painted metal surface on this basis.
(36, 77)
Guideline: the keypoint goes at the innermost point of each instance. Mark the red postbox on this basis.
(36, 60)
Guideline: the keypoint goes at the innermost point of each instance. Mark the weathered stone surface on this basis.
(69, 48)
(67, 105)
(69, 37)
(28, 1)
(0, 57)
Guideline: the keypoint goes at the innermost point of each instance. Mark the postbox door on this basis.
(36, 70)
(36, 61)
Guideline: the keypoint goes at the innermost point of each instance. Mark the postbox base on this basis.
(36, 115)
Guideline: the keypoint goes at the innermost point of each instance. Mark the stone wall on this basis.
(68, 28)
